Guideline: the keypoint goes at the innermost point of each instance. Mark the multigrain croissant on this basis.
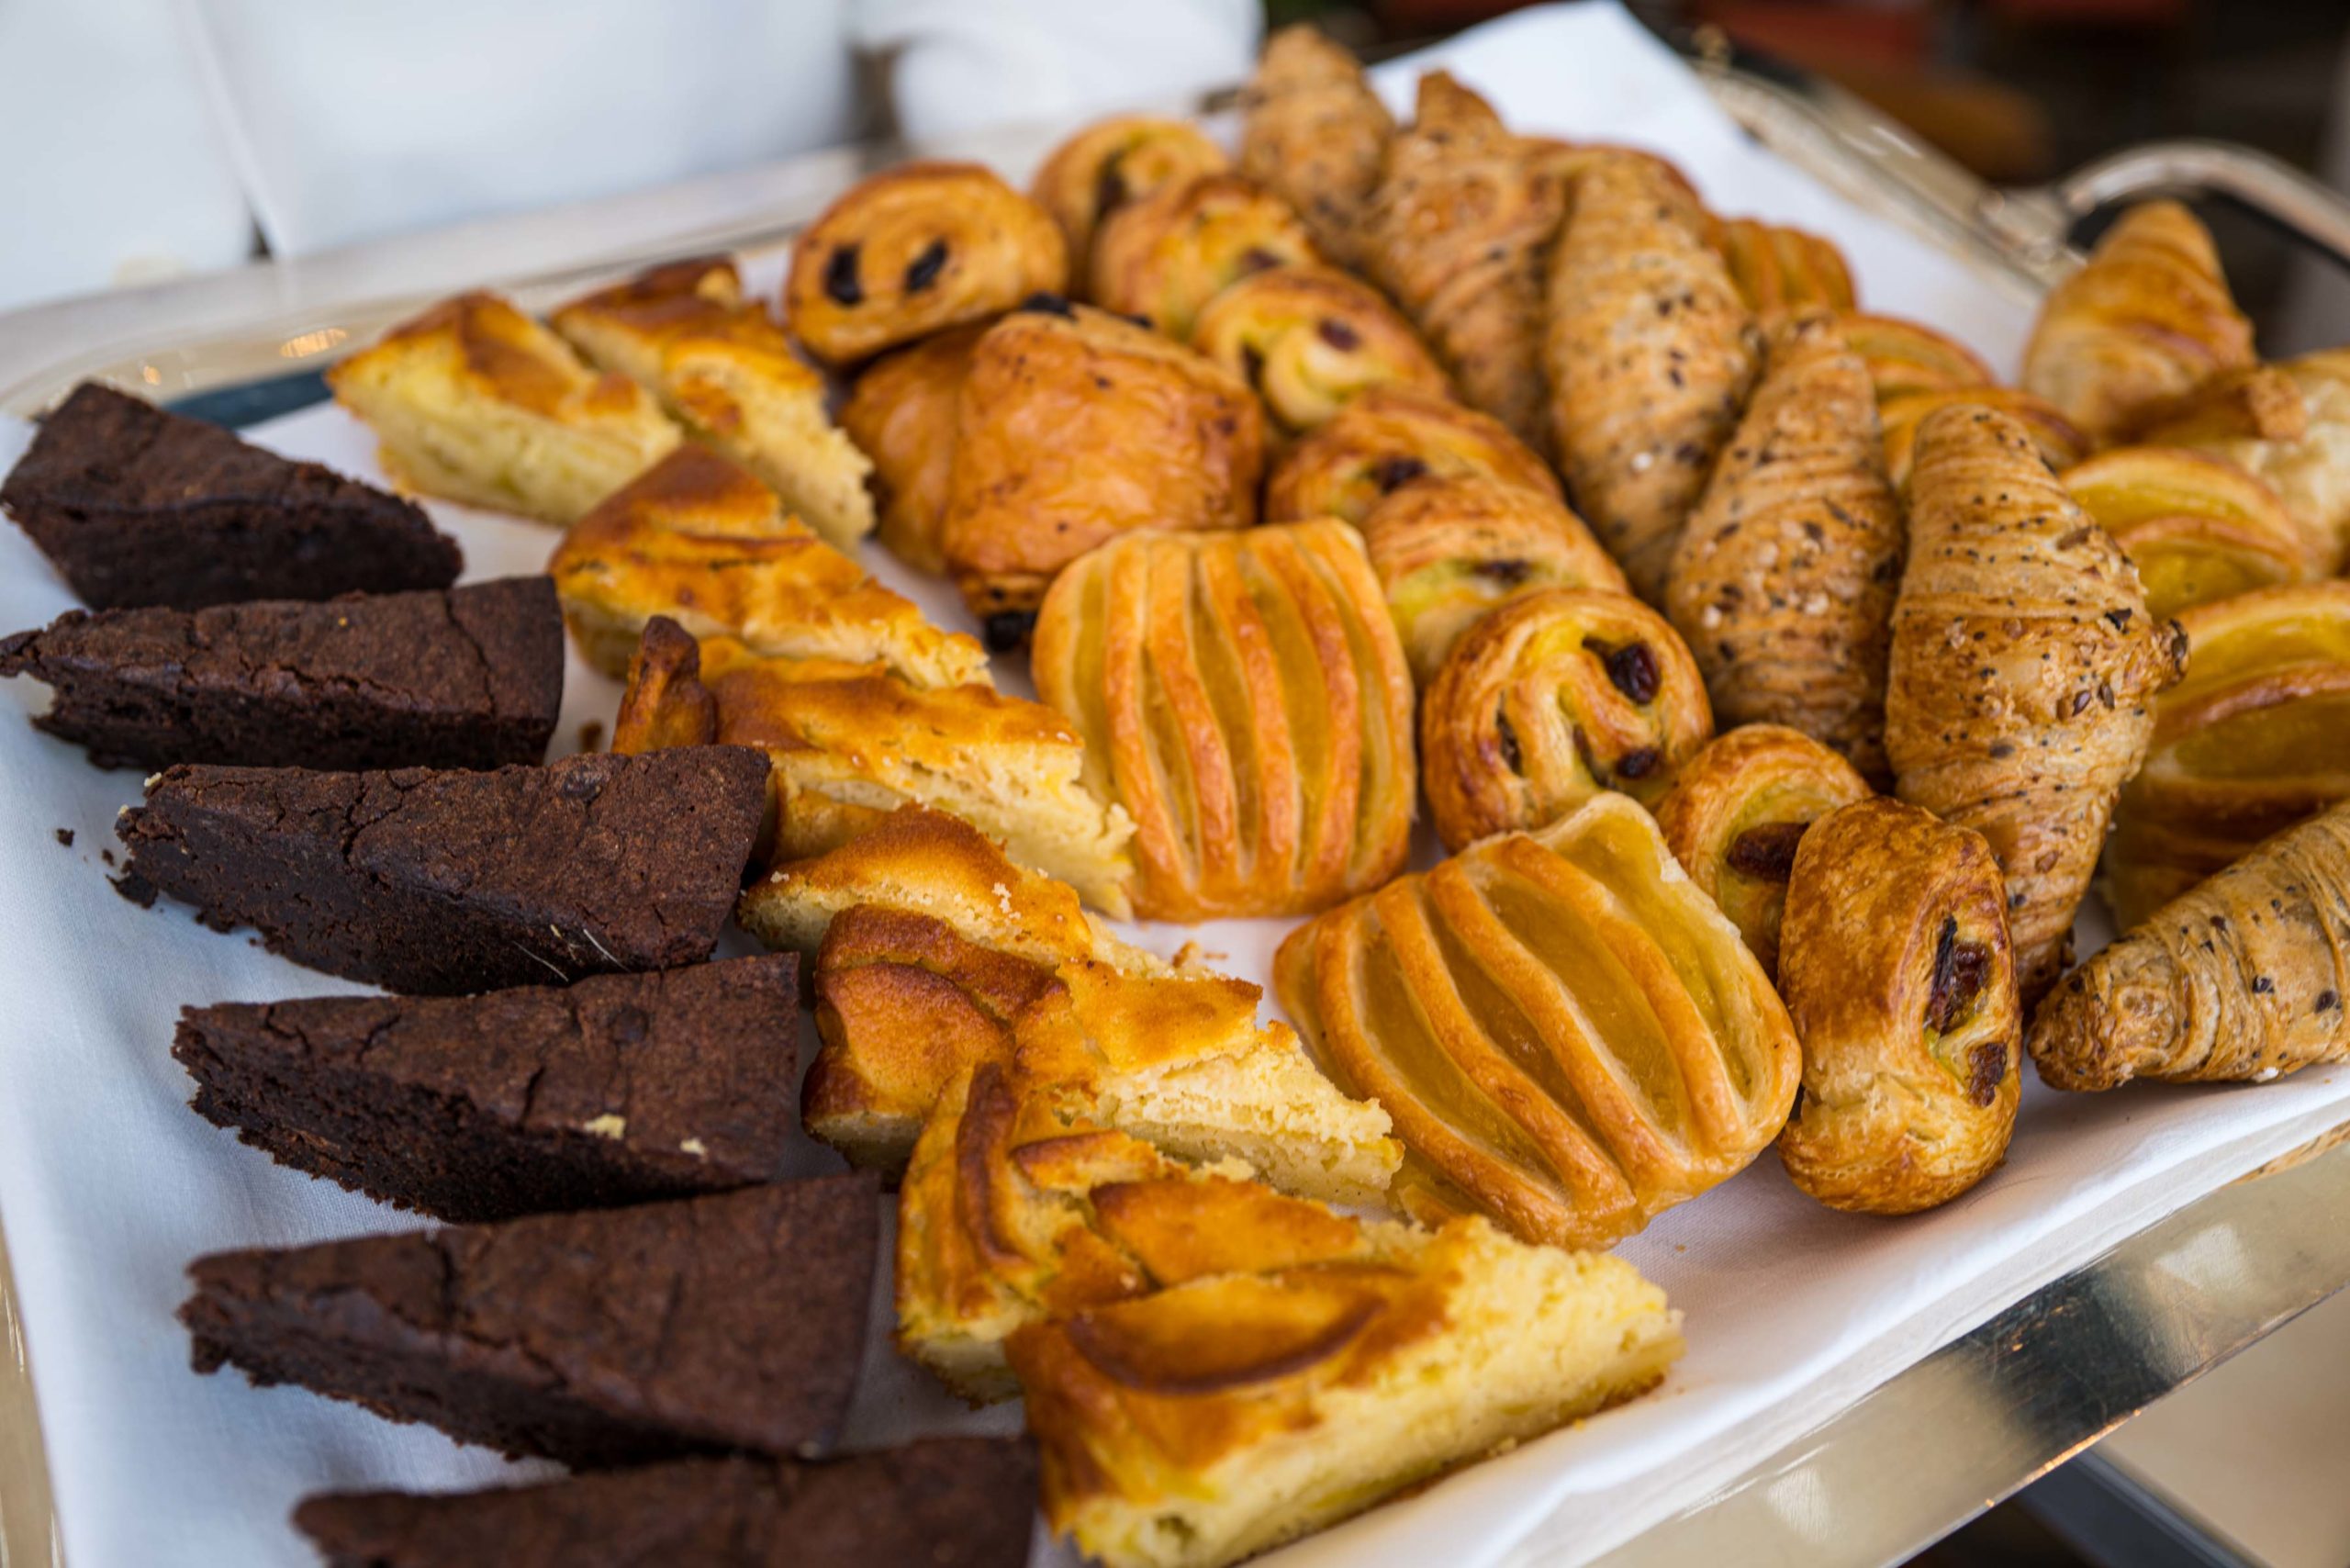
(1310, 340)
(1385, 439)
(1651, 354)
(1782, 581)
(902, 412)
(2023, 673)
(1164, 256)
(2290, 425)
(2061, 443)
(2197, 527)
(1112, 162)
(1315, 134)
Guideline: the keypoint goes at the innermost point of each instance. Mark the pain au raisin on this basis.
(842, 286)
(1632, 668)
(1766, 853)
(924, 270)
(1960, 969)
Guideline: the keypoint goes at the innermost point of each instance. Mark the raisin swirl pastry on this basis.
(1312, 339)
(906, 254)
(1449, 550)
(1246, 697)
(1780, 272)
(1736, 815)
(1895, 962)
(1552, 699)
(903, 413)
(1384, 439)
(1568, 1034)
(1114, 162)
(1315, 134)
(1164, 257)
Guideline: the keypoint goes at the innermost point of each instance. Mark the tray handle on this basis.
(2038, 222)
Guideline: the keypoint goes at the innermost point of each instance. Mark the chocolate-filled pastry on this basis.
(1906, 356)
(1550, 700)
(1780, 272)
(1569, 1036)
(1075, 427)
(1244, 697)
(2058, 440)
(1650, 354)
(1896, 966)
(902, 412)
(2254, 740)
(1735, 813)
(922, 247)
(2147, 319)
(1449, 550)
(1112, 162)
(2197, 527)
(1783, 580)
(1385, 439)
(1455, 234)
(2290, 425)
(1310, 339)
(1315, 134)
(2024, 670)
(1166, 255)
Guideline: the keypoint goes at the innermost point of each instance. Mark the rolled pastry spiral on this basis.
(1310, 340)
(1166, 255)
(1114, 162)
(1383, 441)
(1313, 133)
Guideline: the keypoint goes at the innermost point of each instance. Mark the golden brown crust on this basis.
(1385, 439)
(1735, 813)
(2024, 670)
(2059, 444)
(1245, 696)
(1554, 698)
(1164, 255)
(1782, 581)
(1651, 354)
(1896, 967)
(1905, 356)
(903, 411)
(922, 247)
(1112, 162)
(665, 704)
(2290, 425)
(2197, 527)
(1309, 340)
(1781, 272)
(1315, 134)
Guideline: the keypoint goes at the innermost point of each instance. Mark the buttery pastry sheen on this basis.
(1780, 272)
(1385, 439)
(1309, 340)
(1114, 162)
(1906, 356)
(2197, 527)
(902, 412)
(1315, 134)
(1164, 256)
(2290, 425)
(2061, 444)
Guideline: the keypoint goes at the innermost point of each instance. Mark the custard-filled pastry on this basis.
(1455, 234)
(1385, 439)
(2059, 441)
(908, 253)
(1736, 815)
(699, 541)
(2197, 527)
(1782, 581)
(1568, 1034)
(1076, 427)
(1650, 354)
(1244, 697)
(2024, 670)
(1550, 700)
(1310, 340)
(2254, 740)
(2290, 425)
(474, 402)
(1315, 134)
(1780, 272)
(1896, 966)
(1449, 550)
(2146, 321)
(1164, 256)
(724, 369)
(902, 412)
(1905, 356)
(1111, 162)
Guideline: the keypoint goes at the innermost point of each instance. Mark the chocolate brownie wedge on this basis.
(457, 677)
(943, 1503)
(446, 883)
(137, 506)
(608, 1337)
(617, 1090)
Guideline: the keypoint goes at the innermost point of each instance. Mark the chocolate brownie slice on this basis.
(945, 1503)
(606, 1337)
(446, 883)
(617, 1090)
(455, 677)
(137, 506)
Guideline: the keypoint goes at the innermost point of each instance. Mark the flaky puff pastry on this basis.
(1315, 134)
(1553, 697)
(1735, 816)
(1650, 354)
(2241, 977)
(2024, 670)
(1114, 162)
(1780, 272)
(2290, 425)
(1455, 234)
(1164, 256)
(1449, 550)
(903, 413)
(1896, 965)
(1782, 582)
(1309, 340)
(1385, 439)
(1568, 1033)
(1905, 356)
(922, 247)
(1244, 697)
(2197, 527)
(2255, 739)
(2146, 319)
(2061, 443)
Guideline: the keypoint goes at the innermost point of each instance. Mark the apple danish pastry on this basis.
(1550, 700)
(2197, 527)
(1315, 134)
(2024, 670)
(1385, 439)
(1310, 340)
(1244, 697)
(2288, 424)
(2059, 444)
(1905, 356)
(1896, 965)
(1112, 162)
(1738, 811)
(902, 412)
(1166, 255)
(923, 247)
(1780, 272)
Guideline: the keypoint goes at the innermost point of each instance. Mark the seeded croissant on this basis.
(1316, 135)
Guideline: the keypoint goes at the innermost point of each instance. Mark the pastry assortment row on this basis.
(1776, 683)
